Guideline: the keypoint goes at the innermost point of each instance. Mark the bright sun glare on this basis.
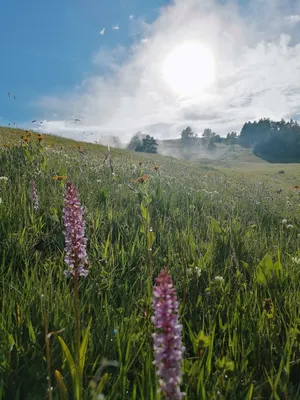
(189, 68)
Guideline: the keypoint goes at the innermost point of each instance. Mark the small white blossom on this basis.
(284, 221)
(196, 270)
(219, 279)
(3, 178)
(296, 260)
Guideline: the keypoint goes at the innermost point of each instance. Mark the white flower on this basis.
(284, 221)
(296, 260)
(219, 279)
(3, 178)
(196, 270)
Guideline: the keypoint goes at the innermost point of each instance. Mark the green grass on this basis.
(208, 222)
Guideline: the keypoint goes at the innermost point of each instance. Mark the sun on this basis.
(189, 68)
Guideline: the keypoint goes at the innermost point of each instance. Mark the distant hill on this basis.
(222, 155)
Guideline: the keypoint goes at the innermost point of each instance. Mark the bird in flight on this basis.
(33, 121)
(76, 120)
(102, 32)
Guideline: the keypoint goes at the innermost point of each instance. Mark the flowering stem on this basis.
(168, 346)
(77, 336)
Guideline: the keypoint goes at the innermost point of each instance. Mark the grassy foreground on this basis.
(234, 263)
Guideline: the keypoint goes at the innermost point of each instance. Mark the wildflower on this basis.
(3, 178)
(196, 271)
(59, 177)
(219, 279)
(25, 138)
(168, 347)
(34, 196)
(75, 257)
(284, 221)
(268, 306)
(296, 260)
(40, 138)
(141, 179)
(156, 167)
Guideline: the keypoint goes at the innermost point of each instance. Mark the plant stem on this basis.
(48, 353)
(77, 336)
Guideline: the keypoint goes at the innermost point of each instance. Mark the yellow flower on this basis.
(25, 138)
(141, 179)
(59, 177)
(40, 138)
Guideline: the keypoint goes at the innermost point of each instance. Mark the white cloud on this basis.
(258, 74)
(293, 19)
(131, 17)
(102, 32)
(116, 27)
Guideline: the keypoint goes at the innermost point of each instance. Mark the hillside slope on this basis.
(235, 159)
(222, 155)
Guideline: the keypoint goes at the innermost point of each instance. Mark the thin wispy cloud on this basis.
(102, 32)
(257, 74)
(116, 27)
(293, 19)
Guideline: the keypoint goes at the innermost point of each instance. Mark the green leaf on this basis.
(102, 382)
(144, 212)
(61, 386)
(31, 331)
(250, 392)
(62, 171)
(83, 347)
(278, 267)
(215, 225)
(151, 238)
(229, 366)
(264, 271)
(202, 340)
(70, 360)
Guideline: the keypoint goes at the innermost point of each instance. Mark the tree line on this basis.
(273, 141)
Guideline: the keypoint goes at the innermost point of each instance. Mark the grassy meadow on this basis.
(227, 233)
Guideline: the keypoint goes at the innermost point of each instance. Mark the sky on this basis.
(107, 64)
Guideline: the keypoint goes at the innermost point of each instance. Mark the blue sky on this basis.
(59, 66)
(46, 46)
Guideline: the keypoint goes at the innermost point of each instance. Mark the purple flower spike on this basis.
(75, 256)
(168, 347)
(34, 196)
